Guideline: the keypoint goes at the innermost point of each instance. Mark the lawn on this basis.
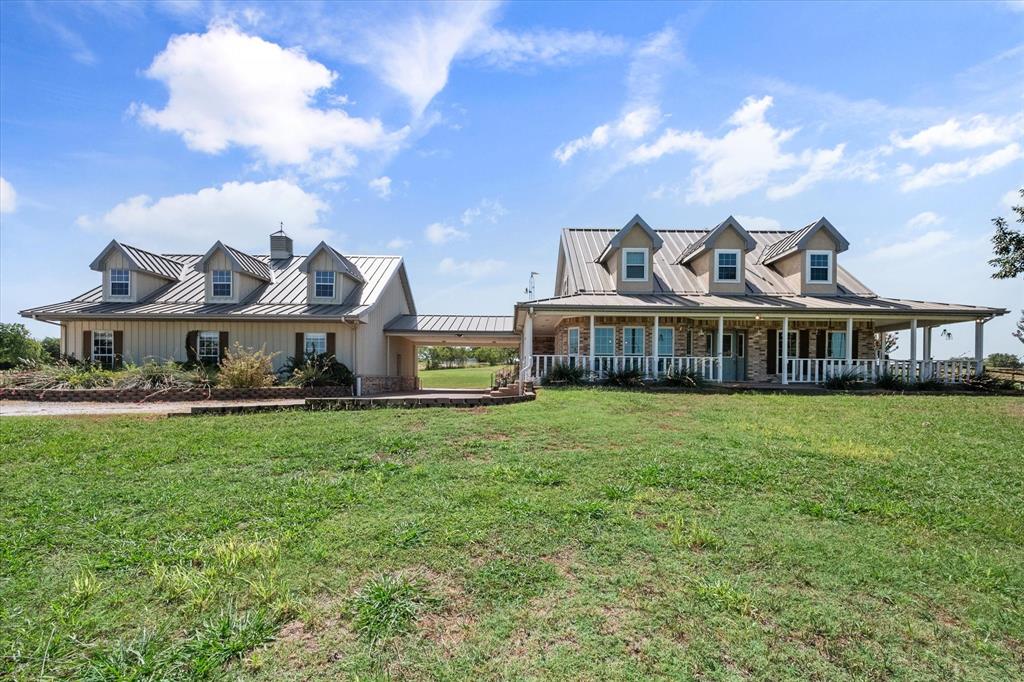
(587, 535)
(459, 377)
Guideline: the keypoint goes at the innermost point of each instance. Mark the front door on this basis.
(734, 354)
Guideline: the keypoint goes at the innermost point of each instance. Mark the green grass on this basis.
(459, 377)
(587, 535)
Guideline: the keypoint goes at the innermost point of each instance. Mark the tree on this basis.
(16, 344)
(1020, 328)
(1008, 245)
(51, 348)
(1003, 360)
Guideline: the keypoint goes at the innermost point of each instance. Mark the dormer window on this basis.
(634, 265)
(120, 283)
(727, 265)
(324, 284)
(819, 267)
(221, 280)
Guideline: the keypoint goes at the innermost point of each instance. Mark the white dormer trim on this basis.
(739, 266)
(831, 266)
(705, 243)
(615, 242)
(647, 263)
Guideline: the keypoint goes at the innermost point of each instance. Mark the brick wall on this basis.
(375, 385)
(112, 395)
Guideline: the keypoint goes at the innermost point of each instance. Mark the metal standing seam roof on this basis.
(284, 296)
(250, 265)
(452, 324)
(144, 261)
(582, 246)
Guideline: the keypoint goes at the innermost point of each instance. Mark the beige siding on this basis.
(372, 347)
(164, 339)
(142, 284)
(794, 267)
(728, 239)
(636, 238)
(343, 285)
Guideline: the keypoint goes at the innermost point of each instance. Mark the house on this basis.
(730, 304)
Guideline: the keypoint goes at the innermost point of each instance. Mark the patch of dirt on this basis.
(563, 560)
(453, 622)
(294, 633)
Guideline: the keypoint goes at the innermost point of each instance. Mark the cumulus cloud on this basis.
(756, 222)
(227, 88)
(911, 247)
(506, 49)
(472, 269)
(382, 186)
(977, 131)
(959, 171)
(397, 244)
(925, 219)
(632, 125)
(241, 214)
(439, 233)
(820, 164)
(489, 210)
(8, 197)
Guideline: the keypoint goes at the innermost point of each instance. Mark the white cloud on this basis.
(382, 186)
(926, 241)
(8, 197)
(925, 219)
(743, 159)
(1012, 198)
(439, 233)
(506, 49)
(752, 222)
(978, 131)
(228, 88)
(397, 244)
(473, 269)
(965, 169)
(241, 214)
(632, 125)
(489, 210)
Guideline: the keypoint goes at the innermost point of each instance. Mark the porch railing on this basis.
(818, 370)
(649, 366)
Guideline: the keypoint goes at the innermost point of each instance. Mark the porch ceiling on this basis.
(454, 330)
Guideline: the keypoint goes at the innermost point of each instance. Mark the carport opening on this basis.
(465, 366)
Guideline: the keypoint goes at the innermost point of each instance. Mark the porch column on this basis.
(979, 354)
(785, 350)
(849, 342)
(528, 342)
(721, 338)
(913, 350)
(926, 351)
(593, 366)
(654, 348)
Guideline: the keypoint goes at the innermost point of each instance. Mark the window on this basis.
(604, 341)
(836, 345)
(689, 343)
(632, 340)
(323, 284)
(793, 350)
(221, 283)
(819, 267)
(573, 341)
(315, 343)
(727, 265)
(666, 342)
(634, 265)
(741, 341)
(103, 348)
(727, 345)
(209, 347)
(120, 283)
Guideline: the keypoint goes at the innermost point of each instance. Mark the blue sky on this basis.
(465, 136)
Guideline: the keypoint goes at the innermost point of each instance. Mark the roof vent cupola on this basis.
(280, 244)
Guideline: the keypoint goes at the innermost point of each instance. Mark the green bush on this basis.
(566, 375)
(626, 378)
(318, 370)
(843, 380)
(17, 345)
(930, 385)
(246, 368)
(683, 378)
(987, 382)
(889, 381)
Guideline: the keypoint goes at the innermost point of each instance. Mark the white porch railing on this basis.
(650, 366)
(818, 370)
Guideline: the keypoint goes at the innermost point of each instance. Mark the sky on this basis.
(465, 136)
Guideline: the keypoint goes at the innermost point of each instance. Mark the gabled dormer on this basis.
(807, 258)
(131, 274)
(629, 256)
(719, 258)
(330, 277)
(231, 275)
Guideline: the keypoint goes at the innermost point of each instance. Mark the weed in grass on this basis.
(723, 595)
(227, 636)
(84, 587)
(692, 534)
(386, 606)
(617, 493)
(408, 533)
(146, 657)
(511, 581)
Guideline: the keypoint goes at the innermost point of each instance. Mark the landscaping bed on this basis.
(130, 395)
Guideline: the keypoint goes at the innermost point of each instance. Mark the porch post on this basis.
(926, 351)
(654, 349)
(528, 342)
(913, 350)
(849, 342)
(721, 337)
(593, 366)
(785, 350)
(979, 354)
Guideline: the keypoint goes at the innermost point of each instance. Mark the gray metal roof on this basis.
(792, 242)
(452, 324)
(582, 246)
(344, 264)
(699, 246)
(282, 297)
(142, 260)
(248, 264)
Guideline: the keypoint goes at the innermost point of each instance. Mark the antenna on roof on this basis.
(530, 290)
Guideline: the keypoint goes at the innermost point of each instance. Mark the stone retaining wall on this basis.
(378, 385)
(113, 395)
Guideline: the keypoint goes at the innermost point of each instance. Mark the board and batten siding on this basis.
(142, 283)
(376, 354)
(163, 339)
(343, 284)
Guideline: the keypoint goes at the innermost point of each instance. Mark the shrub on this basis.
(683, 378)
(987, 382)
(60, 375)
(930, 385)
(504, 377)
(843, 380)
(566, 375)
(161, 375)
(246, 368)
(889, 381)
(626, 378)
(318, 370)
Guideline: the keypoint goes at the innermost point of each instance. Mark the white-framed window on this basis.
(791, 349)
(666, 342)
(632, 340)
(634, 265)
(323, 284)
(221, 283)
(835, 345)
(209, 347)
(741, 341)
(103, 347)
(727, 265)
(120, 282)
(573, 341)
(819, 267)
(604, 340)
(314, 343)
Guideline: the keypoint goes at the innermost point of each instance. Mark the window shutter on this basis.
(87, 345)
(300, 347)
(803, 344)
(773, 343)
(856, 337)
(223, 345)
(330, 343)
(819, 346)
(191, 348)
(118, 348)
